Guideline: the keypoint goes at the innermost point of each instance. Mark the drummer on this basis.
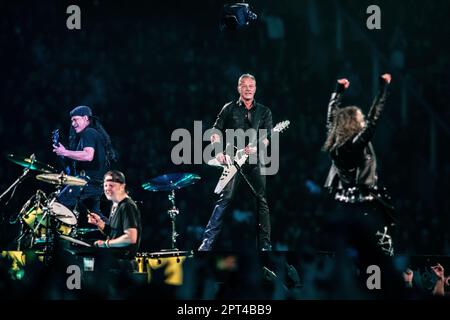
(123, 228)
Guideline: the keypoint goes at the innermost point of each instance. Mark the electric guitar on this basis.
(55, 141)
(230, 169)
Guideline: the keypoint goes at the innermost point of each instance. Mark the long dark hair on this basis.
(110, 152)
(344, 126)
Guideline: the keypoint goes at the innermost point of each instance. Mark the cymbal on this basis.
(30, 163)
(171, 181)
(61, 179)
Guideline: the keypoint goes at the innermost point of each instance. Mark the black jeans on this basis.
(258, 181)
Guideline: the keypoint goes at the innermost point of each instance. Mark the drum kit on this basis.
(44, 218)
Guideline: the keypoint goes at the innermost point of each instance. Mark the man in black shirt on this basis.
(243, 114)
(123, 230)
(90, 155)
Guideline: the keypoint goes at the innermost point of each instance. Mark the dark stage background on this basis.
(149, 68)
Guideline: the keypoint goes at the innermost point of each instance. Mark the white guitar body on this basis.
(229, 169)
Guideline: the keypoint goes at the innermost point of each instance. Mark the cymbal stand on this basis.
(173, 212)
(50, 229)
(20, 179)
(37, 198)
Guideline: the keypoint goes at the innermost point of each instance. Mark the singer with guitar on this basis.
(245, 113)
(89, 155)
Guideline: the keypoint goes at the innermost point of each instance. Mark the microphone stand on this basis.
(257, 196)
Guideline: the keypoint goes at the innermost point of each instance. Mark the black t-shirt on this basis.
(96, 168)
(126, 215)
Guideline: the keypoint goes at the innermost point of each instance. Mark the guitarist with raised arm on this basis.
(245, 113)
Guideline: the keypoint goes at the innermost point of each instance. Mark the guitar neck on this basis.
(55, 141)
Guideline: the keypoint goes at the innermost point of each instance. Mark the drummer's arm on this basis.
(129, 237)
(105, 228)
(95, 219)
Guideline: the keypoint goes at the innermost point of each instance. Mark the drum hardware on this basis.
(29, 164)
(173, 214)
(145, 261)
(51, 228)
(27, 217)
(171, 182)
(46, 220)
(169, 254)
(43, 217)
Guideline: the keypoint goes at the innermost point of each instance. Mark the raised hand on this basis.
(344, 82)
(95, 219)
(439, 271)
(387, 78)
